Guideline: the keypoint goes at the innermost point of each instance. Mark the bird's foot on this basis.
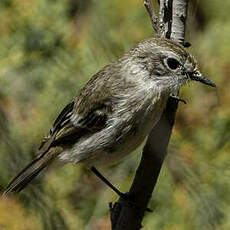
(178, 98)
(125, 196)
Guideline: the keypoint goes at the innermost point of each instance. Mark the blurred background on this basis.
(48, 51)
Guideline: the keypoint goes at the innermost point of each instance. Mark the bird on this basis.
(116, 110)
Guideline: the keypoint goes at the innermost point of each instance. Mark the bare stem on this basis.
(153, 17)
(179, 20)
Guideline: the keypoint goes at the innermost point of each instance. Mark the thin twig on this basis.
(162, 13)
(152, 14)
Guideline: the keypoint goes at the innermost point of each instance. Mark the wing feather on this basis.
(69, 126)
(87, 113)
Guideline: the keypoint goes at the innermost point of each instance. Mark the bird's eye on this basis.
(173, 63)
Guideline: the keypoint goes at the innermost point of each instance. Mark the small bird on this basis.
(114, 112)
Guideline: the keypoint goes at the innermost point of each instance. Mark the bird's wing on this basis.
(87, 113)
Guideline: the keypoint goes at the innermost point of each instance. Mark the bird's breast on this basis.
(132, 133)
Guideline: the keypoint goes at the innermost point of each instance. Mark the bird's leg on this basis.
(124, 196)
(99, 175)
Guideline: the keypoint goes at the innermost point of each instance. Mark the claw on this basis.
(178, 99)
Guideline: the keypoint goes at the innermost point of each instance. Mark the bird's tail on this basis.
(30, 172)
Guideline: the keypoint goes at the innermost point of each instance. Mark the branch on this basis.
(179, 20)
(128, 214)
(172, 19)
(153, 17)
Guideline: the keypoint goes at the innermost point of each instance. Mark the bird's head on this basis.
(168, 63)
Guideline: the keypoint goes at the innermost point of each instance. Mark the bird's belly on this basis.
(122, 147)
(113, 154)
(114, 142)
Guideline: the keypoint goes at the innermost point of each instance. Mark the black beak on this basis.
(197, 76)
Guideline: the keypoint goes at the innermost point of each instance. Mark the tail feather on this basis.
(29, 172)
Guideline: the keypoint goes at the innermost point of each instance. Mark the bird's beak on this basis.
(197, 76)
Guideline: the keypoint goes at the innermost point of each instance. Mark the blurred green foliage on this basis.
(48, 51)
